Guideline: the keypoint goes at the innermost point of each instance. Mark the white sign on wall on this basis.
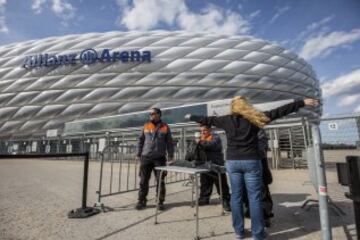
(333, 126)
(34, 146)
(102, 143)
(52, 133)
(16, 147)
(219, 107)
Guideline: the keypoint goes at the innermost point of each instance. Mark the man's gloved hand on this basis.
(187, 116)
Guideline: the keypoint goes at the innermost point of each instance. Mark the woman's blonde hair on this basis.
(240, 106)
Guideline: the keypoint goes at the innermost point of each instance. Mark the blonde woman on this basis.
(243, 158)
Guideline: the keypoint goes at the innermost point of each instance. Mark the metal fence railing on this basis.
(287, 142)
(119, 172)
(342, 132)
(340, 137)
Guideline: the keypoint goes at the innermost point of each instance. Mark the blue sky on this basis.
(326, 33)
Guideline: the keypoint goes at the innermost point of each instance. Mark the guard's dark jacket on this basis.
(242, 140)
(155, 140)
(212, 147)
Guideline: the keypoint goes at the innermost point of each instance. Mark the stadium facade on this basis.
(46, 83)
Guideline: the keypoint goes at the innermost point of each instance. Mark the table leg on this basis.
(159, 174)
(192, 190)
(221, 194)
(197, 205)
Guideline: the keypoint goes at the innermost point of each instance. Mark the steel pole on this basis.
(322, 185)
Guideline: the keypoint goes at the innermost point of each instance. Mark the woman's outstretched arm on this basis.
(208, 121)
(290, 107)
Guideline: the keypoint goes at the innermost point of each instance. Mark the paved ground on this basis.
(35, 196)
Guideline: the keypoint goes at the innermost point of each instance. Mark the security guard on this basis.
(210, 143)
(154, 142)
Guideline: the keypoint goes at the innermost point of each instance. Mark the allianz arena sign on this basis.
(86, 57)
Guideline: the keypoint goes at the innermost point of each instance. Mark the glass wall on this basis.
(170, 116)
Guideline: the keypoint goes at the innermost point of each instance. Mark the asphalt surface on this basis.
(36, 195)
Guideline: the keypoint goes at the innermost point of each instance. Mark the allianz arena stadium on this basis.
(46, 83)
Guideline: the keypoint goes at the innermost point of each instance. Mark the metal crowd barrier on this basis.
(287, 145)
(119, 172)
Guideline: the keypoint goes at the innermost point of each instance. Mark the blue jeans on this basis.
(246, 173)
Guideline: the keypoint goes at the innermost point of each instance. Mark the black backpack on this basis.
(195, 154)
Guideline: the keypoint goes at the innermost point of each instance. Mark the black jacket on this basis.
(242, 140)
(155, 140)
(212, 147)
(262, 143)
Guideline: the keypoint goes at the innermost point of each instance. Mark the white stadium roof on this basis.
(45, 83)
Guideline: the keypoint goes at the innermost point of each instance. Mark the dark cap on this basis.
(157, 110)
(206, 126)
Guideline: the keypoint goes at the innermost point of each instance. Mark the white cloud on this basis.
(324, 44)
(311, 30)
(149, 14)
(316, 25)
(254, 14)
(213, 20)
(322, 79)
(347, 85)
(357, 109)
(349, 100)
(36, 6)
(279, 12)
(314, 29)
(3, 26)
(62, 9)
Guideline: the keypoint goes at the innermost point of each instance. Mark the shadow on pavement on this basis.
(290, 220)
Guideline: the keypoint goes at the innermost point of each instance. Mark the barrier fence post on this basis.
(321, 178)
(84, 211)
(85, 181)
(101, 155)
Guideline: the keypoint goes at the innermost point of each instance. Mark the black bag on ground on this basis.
(267, 203)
